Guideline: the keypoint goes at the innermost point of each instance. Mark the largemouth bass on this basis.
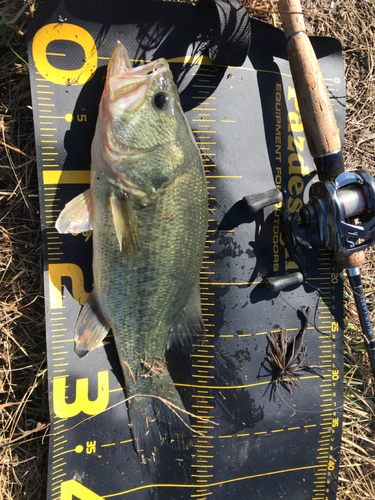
(147, 207)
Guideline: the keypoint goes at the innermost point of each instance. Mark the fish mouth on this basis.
(128, 86)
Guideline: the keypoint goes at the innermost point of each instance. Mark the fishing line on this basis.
(167, 403)
(309, 411)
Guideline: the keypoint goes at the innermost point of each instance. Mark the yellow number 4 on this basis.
(71, 487)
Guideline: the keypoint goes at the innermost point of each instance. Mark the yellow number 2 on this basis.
(82, 403)
(72, 271)
(72, 33)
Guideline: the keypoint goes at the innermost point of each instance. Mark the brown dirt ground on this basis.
(23, 382)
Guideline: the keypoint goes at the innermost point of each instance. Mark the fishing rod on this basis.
(340, 213)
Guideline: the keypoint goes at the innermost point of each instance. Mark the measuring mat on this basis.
(253, 439)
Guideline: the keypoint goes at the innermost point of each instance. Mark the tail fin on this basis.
(158, 417)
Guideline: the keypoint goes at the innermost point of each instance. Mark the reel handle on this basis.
(275, 284)
(256, 202)
(317, 115)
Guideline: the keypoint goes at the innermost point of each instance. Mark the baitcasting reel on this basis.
(339, 216)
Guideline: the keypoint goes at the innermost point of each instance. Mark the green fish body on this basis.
(147, 207)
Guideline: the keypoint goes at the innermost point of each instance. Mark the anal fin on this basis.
(126, 225)
(189, 322)
(75, 217)
(91, 327)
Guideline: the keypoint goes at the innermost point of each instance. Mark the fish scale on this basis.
(164, 242)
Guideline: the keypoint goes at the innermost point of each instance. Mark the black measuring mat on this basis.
(254, 441)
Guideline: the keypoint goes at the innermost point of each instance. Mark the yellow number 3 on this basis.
(73, 33)
(82, 403)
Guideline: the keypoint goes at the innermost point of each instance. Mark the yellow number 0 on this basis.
(73, 33)
(70, 488)
(63, 409)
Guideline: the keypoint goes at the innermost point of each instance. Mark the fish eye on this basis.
(161, 101)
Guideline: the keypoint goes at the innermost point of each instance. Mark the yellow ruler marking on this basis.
(60, 437)
(57, 471)
(58, 449)
(66, 177)
(224, 176)
(238, 386)
(57, 482)
(61, 475)
(230, 284)
(62, 442)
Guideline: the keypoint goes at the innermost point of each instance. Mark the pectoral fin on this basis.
(126, 225)
(91, 327)
(75, 218)
(188, 323)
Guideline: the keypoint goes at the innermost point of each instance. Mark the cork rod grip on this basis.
(317, 115)
(319, 123)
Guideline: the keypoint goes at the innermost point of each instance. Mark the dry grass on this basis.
(23, 385)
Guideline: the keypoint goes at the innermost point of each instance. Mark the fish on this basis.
(147, 210)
